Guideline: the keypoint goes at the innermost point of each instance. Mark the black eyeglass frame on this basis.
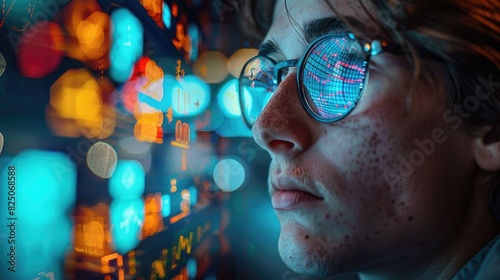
(374, 48)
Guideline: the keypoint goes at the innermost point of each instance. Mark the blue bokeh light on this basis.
(42, 179)
(228, 99)
(191, 98)
(128, 180)
(166, 207)
(193, 193)
(167, 15)
(127, 218)
(127, 46)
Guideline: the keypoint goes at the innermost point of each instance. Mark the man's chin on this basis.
(314, 254)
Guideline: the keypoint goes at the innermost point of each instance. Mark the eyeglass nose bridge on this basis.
(284, 64)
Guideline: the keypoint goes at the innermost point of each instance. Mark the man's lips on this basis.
(289, 193)
(288, 200)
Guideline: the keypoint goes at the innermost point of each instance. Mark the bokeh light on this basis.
(127, 46)
(194, 35)
(128, 180)
(151, 83)
(43, 179)
(190, 99)
(88, 29)
(192, 268)
(127, 218)
(77, 11)
(93, 35)
(166, 206)
(154, 9)
(167, 15)
(130, 91)
(234, 127)
(76, 106)
(153, 219)
(229, 174)
(41, 50)
(238, 59)
(102, 159)
(193, 191)
(90, 230)
(145, 92)
(131, 146)
(228, 99)
(211, 67)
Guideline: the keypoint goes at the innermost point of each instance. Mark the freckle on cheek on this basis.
(307, 237)
(327, 216)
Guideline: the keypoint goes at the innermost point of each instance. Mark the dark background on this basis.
(253, 230)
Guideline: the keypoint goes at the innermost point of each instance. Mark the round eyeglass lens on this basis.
(333, 76)
(257, 83)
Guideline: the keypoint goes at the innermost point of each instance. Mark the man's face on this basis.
(390, 180)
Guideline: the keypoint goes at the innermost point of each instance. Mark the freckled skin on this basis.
(367, 221)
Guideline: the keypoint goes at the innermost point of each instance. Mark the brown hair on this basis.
(255, 17)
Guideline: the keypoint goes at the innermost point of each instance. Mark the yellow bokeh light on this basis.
(77, 11)
(238, 59)
(92, 230)
(88, 104)
(154, 9)
(153, 222)
(76, 105)
(91, 40)
(211, 67)
(90, 34)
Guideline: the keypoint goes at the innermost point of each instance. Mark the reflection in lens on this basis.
(257, 84)
(333, 77)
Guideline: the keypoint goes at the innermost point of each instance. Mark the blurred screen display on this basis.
(121, 139)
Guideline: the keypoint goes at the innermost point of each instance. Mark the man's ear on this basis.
(487, 150)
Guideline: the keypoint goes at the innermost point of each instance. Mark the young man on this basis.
(382, 120)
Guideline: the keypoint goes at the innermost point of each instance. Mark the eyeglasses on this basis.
(330, 77)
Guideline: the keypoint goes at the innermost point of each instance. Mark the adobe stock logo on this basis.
(47, 11)
(454, 116)
(248, 150)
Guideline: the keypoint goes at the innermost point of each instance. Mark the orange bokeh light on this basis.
(77, 106)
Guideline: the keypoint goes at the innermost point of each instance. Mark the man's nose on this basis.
(284, 126)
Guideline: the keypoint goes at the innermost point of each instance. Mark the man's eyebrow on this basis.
(322, 26)
(268, 47)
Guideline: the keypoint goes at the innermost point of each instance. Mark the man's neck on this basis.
(477, 228)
